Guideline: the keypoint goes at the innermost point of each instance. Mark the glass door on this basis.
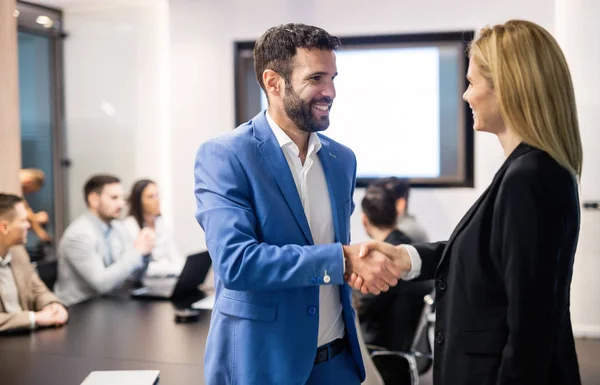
(42, 129)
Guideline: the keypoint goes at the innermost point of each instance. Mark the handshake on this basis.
(374, 267)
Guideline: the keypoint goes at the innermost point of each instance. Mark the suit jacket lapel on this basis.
(521, 149)
(20, 273)
(336, 196)
(275, 159)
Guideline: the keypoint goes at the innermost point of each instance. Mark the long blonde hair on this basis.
(530, 76)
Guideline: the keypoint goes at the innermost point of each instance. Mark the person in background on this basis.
(407, 222)
(390, 319)
(503, 279)
(25, 301)
(32, 180)
(144, 211)
(96, 255)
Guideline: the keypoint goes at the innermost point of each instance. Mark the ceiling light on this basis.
(45, 21)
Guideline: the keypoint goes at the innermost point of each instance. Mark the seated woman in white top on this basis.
(144, 211)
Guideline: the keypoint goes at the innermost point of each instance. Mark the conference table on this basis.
(110, 333)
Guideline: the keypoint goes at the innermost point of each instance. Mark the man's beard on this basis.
(300, 112)
(108, 216)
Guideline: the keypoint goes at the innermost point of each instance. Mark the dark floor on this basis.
(588, 352)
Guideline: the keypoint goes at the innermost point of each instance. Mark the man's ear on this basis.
(273, 82)
(365, 220)
(4, 226)
(401, 206)
(93, 199)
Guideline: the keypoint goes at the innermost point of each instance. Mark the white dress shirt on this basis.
(415, 265)
(314, 194)
(166, 259)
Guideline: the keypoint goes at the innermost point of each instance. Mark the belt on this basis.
(330, 350)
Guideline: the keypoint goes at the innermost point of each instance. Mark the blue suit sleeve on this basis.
(241, 262)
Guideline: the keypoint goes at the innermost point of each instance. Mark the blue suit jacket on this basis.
(265, 322)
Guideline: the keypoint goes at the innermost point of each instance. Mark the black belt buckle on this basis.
(330, 350)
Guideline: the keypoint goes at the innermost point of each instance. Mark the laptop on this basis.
(193, 275)
(129, 377)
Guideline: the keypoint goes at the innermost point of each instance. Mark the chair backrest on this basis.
(373, 376)
(422, 345)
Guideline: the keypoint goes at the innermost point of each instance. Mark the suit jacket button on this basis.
(439, 338)
(326, 278)
(312, 310)
(441, 284)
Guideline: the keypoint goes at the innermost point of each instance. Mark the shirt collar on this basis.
(103, 226)
(314, 143)
(6, 260)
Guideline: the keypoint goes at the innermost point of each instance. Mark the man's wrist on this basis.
(31, 320)
(347, 261)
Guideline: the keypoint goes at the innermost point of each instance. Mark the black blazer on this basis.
(503, 280)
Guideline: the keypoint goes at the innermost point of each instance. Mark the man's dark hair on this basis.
(7, 205)
(135, 200)
(276, 48)
(399, 186)
(96, 184)
(379, 205)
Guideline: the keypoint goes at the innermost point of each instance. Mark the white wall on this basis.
(117, 93)
(578, 31)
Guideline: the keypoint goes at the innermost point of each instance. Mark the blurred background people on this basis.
(144, 211)
(390, 319)
(406, 222)
(96, 255)
(32, 180)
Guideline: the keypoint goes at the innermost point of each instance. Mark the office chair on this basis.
(400, 368)
(372, 375)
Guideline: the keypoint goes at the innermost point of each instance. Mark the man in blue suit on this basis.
(275, 199)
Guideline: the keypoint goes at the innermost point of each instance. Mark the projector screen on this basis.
(398, 106)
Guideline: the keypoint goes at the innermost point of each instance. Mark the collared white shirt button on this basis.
(326, 278)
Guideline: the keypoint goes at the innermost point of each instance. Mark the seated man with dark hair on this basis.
(25, 302)
(406, 222)
(390, 319)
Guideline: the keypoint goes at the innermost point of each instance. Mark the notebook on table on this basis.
(122, 377)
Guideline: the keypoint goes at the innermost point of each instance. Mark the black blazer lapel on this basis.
(521, 149)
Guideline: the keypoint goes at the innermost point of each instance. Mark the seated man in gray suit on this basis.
(96, 255)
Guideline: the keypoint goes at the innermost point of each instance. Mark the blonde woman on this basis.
(503, 278)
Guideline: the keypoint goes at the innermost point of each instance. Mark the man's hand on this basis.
(53, 314)
(41, 217)
(44, 317)
(398, 262)
(376, 270)
(145, 241)
(60, 313)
